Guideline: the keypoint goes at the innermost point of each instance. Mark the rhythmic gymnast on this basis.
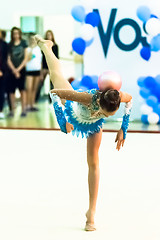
(84, 113)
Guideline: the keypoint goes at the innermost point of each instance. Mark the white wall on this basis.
(10, 9)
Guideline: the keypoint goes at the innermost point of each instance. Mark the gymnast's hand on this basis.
(119, 139)
(69, 127)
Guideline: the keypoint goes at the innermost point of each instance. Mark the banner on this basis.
(117, 43)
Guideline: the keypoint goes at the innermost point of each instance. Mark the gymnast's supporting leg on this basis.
(93, 144)
(56, 76)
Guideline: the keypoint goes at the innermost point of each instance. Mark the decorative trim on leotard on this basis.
(125, 122)
(95, 96)
(59, 111)
(86, 129)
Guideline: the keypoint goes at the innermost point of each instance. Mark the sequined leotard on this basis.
(83, 117)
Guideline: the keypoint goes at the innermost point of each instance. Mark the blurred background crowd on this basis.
(22, 67)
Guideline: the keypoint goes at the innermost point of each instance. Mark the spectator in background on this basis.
(3, 67)
(33, 69)
(3, 35)
(17, 60)
(48, 36)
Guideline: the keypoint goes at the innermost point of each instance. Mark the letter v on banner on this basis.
(105, 37)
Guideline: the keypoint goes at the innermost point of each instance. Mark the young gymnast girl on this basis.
(84, 112)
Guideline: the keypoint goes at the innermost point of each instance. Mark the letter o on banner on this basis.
(135, 26)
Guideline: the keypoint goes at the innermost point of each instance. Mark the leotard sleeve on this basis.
(125, 122)
(57, 105)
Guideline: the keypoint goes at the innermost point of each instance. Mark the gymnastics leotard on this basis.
(84, 118)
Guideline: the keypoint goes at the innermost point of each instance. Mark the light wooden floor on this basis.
(44, 190)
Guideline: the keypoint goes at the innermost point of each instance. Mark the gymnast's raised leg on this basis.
(56, 76)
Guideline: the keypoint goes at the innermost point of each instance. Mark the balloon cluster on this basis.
(108, 79)
(87, 82)
(150, 92)
(89, 21)
(151, 26)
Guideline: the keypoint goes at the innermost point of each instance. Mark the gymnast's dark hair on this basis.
(110, 100)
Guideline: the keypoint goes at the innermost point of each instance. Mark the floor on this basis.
(45, 119)
(44, 191)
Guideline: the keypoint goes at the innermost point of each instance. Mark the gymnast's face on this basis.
(107, 114)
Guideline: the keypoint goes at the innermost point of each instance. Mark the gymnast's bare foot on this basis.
(42, 42)
(90, 221)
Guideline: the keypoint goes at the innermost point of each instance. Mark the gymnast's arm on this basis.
(125, 97)
(81, 97)
(57, 95)
(121, 135)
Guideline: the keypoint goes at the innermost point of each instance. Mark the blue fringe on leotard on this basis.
(86, 129)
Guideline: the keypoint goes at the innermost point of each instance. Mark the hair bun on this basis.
(110, 100)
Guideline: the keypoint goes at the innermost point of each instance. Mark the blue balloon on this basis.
(75, 84)
(140, 81)
(92, 19)
(157, 78)
(143, 13)
(150, 82)
(144, 119)
(87, 82)
(83, 88)
(145, 53)
(88, 43)
(95, 82)
(78, 13)
(157, 109)
(153, 16)
(152, 101)
(156, 91)
(155, 43)
(144, 92)
(79, 45)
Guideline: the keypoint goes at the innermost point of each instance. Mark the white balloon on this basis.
(145, 109)
(87, 32)
(153, 26)
(153, 118)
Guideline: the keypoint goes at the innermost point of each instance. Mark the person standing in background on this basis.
(48, 36)
(3, 67)
(3, 35)
(17, 60)
(33, 69)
